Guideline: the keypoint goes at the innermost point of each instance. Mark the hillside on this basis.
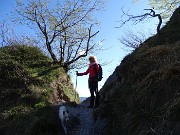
(30, 86)
(142, 96)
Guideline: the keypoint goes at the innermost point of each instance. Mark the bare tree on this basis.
(4, 33)
(164, 7)
(140, 18)
(66, 27)
(8, 37)
(132, 40)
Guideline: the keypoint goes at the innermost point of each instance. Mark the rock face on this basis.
(63, 90)
(142, 96)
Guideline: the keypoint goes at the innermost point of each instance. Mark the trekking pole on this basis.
(75, 87)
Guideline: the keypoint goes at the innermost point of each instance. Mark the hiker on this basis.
(92, 81)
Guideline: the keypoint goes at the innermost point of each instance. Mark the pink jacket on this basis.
(92, 70)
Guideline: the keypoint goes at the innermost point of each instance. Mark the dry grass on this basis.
(147, 101)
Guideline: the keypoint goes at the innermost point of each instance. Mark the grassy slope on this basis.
(147, 102)
(26, 75)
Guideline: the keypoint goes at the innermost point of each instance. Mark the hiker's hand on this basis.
(77, 73)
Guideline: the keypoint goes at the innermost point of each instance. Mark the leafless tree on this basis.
(140, 18)
(66, 28)
(4, 33)
(9, 37)
(132, 40)
(165, 7)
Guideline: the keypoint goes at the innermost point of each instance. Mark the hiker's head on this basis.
(92, 59)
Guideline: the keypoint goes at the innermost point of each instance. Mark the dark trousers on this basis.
(93, 87)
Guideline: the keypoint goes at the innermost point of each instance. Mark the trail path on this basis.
(87, 125)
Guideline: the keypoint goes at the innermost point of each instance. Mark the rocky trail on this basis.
(86, 125)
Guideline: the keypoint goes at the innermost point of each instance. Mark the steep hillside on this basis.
(29, 85)
(142, 96)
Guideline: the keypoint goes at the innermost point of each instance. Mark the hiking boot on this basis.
(91, 104)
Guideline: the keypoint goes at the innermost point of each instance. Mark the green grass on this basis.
(28, 80)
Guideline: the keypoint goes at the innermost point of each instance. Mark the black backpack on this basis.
(100, 73)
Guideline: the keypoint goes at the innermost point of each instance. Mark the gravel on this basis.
(87, 125)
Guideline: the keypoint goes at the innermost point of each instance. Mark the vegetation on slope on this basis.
(29, 85)
(144, 99)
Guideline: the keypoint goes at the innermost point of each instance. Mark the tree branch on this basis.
(142, 17)
(87, 47)
(43, 30)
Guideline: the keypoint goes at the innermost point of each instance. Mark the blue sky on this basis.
(109, 20)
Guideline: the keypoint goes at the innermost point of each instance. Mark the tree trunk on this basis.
(53, 56)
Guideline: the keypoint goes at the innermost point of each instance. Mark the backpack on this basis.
(99, 73)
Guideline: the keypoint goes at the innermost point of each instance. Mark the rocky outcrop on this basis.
(59, 94)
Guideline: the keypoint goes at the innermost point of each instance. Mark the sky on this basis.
(109, 20)
(110, 35)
